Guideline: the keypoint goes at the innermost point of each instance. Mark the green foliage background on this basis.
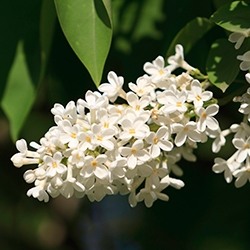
(48, 56)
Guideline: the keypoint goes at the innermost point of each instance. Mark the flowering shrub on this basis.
(131, 143)
(99, 147)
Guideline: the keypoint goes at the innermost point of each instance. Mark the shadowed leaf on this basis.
(190, 34)
(222, 65)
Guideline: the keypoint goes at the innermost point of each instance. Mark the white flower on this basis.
(158, 141)
(102, 137)
(149, 196)
(93, 100)
(54, 165)
(133, 128)
(69, 133)
(189, 130)
(24, 156)
(77, 157)
(242, 175)
(220, 138)
(241, 130)
(245, 58)
(174, 101)
(248, 77)
(39, 192)
(206, 118)
(29, 176)
(245, 109)
(117, 168)
(185, 151)
(177, 60)
(221, 165)
(21, 146)
(53, 191)
(95, 166)
(155, 173)
(197, 95)
(132, 198)
(142, 86)
(136, 154)
(56, 181)
(68, 113)
(169, 181)
(86, 140)
(137, 104)
(99, 190)
(237, 38)
(19, 160)
(108, 120)
(114, 88)
(70, 184)
(156, 69)
(243, 147)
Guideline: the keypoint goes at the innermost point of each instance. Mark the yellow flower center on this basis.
(106, 125)
(54, 164)
(99, 138)
(137, 107)
(198, 98)
(133, 151)
(155, 140)
(73, 135)
(204, 115)
(94, 163)
(179, 104)
(161, 72)
(132, 131)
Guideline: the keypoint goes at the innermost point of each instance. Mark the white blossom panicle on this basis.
(245, 58)
(98, 147)
(237, 165)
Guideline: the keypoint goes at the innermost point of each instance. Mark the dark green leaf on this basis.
(88, 28)
(16, 21)
(47, 25)
(190, 34)
(19, 94)
(26, 61)
(222, 65)
(234, 17)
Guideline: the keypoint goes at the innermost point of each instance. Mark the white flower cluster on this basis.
(98, 147)
(238, 165)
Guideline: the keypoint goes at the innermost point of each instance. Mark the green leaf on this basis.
(19, 93)
(28, 58)
(234, 17)
(190, 34)
(18, 20)
(88, 28)
(222, 65)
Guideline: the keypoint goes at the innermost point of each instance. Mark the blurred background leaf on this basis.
(33, 41)
(19, 93)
